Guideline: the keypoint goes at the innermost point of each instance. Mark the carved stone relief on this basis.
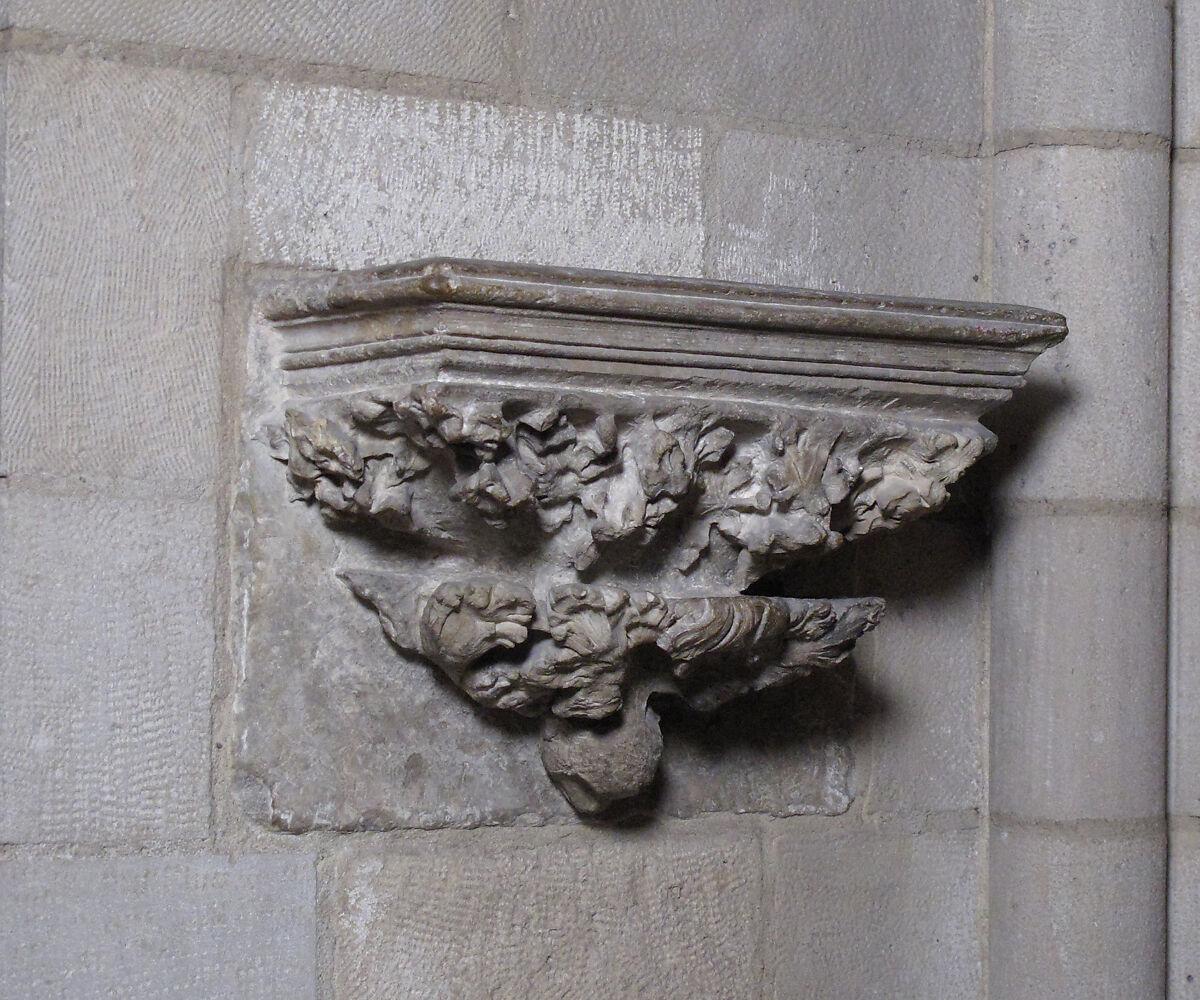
(569, 479)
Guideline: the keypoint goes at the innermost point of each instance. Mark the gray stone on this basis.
(141, 928)
(873, 916)
(627, 916)
(1185, 665)
(342, 177)
(1183, 915)
(913, 69)
(845, 217)
(1078, 665)
(1075, 916)
(1185, 335)
(460, 39)
(106, 663)
(1084, 231)
(921, 683)
(568, 556)
(1187, 74)
(1070, 66)
(114, 235)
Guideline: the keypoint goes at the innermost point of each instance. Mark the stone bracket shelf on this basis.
(570, 478)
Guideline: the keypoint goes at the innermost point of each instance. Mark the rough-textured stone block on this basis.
(873, 916)
(1078, 666)
(141, 928)
(837, 216)
(922, 680)
(1082, 65)
(911, 69)
(1084, 232)
(1187, 73)
(461, 39)
(1183, 916)
(1185, 666)
(114, 232)
(342, 177)
(628, 916)
(106, 659)
(1185, 335)
(1075, 917)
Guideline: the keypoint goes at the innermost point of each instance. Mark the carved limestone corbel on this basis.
(573, 476)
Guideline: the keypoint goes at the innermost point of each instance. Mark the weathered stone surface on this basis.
(1066, 66)
(1185, 665)
(114, 233)
(844, 217)
(341, 177)
(909, 69)
(626, 916)
(922, 685)
(1185, 335)
(461, 39)
(106, 662)
(1183, 976)
(1078, 665)
(1075, 916)
(874, 916)
(1084, 231)
(142, 928)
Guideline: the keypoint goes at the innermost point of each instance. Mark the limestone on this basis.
(1070, 66)
(343, 178)
(106, 660)
(1185, 658)
(1076, 916)
(1185, 335)
(1084, 231)
(1078, 666)
(1183, 976)
(914, 69)
(621, 916)
(922, 683)
(460, 39)
(873, 915)
(845, 217)
(1187, 74)
(114, 234)
(141, 928)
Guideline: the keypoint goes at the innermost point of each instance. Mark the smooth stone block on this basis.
(1185, 335)
(115, 231)
(1184, 715)
(841, 216)
(1084, 232)
(460, 39)
(1187, 74)
(1183, 916)
(1066, 66)
(611, 915)
(106, 663)
(921, 679)
(142, 928)
(1078, 665)
(1076, 917)
(344, 178)
(913, 69)
(874, 916)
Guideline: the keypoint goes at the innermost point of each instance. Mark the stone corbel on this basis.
(574, 476)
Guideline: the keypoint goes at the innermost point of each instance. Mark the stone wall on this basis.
(1004, 830)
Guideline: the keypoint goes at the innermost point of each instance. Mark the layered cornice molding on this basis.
(573, 476)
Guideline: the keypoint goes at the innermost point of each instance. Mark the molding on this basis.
(574, 475)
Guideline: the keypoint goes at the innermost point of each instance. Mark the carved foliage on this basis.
(772, 489)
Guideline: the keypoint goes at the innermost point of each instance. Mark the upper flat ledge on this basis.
(681, 301)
